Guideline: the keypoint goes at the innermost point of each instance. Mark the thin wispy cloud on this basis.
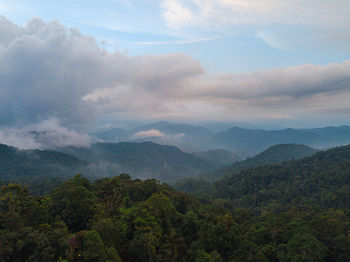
(214, 13)
(180, 42)
(3, 7)
(277, 23)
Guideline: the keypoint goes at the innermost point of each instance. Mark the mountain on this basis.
(273, 155)
(142, 160)
(322, 179)
(256, 140)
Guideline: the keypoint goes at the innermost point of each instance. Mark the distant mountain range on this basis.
(185, 136)
(171, 158)
(256, 140)
(194, 138)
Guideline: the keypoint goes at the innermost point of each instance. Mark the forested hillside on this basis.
(142, 160)
(322, 180)
(219, 157)
(273, 155)
(36, 167)
(119, 219)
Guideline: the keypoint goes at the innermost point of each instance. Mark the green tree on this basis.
(302, 247)
(74, 202)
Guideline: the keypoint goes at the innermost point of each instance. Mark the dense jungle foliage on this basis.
(322, 180)
(120, 219)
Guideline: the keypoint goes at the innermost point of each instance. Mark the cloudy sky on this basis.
(78, 64)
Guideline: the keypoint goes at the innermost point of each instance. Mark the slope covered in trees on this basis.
(142, 160)
(119, 219)
(219, 157)
(321, 180)
(35, 167)
(273, 155)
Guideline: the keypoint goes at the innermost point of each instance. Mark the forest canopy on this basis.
(120, 219)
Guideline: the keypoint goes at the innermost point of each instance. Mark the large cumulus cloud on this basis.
(46, 70)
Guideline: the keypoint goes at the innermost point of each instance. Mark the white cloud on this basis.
(18, 138)
(180, 42)
(281, 24)
(272, 40)
(148, 134)
(43, 135)
(212, 13)
(176, 14)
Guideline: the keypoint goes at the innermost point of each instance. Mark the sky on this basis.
(79, 65)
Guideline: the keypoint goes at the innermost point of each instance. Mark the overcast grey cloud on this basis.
(274, 93)
(50, 72)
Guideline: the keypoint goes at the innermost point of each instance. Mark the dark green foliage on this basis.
(74, 201)
(322, 180)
